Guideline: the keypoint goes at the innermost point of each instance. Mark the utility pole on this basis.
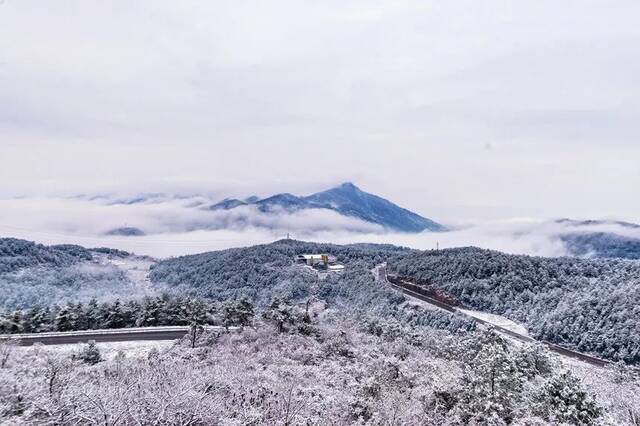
(437, 245)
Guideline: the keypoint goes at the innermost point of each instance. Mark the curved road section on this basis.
(415, 291)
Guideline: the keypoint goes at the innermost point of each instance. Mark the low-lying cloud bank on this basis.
(178, 226)
(97, 217)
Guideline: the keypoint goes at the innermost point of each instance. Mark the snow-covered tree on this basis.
(562, 400)
(281, 314)
(90, 354)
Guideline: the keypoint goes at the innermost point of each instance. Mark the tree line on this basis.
(165, 310)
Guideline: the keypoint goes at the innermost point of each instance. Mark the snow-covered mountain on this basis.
(347, 200)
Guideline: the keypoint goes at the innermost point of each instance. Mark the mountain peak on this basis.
(349, 186)
(227, 204)
(252, 199)
(345, 199)
(349, 200)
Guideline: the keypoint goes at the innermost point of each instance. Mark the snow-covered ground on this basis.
(136, 267)
(428, 306)
(108, 350)
(497, 320)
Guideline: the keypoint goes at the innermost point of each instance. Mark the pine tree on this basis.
(90, 354)
(229, 314)
(491, 387)
(165, 310)
(281, 314)
(237, 313)
(130, 312)
(64, 320)
(562, 401)
(36, 320)
(151, 313)
(81, 319)
(45, 320)
(196, 315)
(114, 316)
(245, 312)
(196, 312)
(92, 312)
(6, 324)
(29, 319)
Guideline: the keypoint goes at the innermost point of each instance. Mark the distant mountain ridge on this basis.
(586, 241)
(592, 222)
(602, 245)
(346, 199)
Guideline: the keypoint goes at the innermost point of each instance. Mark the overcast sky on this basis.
(459, 110)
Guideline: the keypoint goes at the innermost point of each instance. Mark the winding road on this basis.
(412, 290)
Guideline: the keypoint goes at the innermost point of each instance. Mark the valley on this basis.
(259, 302)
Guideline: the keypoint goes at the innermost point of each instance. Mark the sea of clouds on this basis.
(183, 225)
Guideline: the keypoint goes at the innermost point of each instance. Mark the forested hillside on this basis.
(604, 245)
(591, 306)
(95, 295)
(260, 272)
(36, 275)
(17, 254)
(588, 305)
(342, 346)
(266, 272)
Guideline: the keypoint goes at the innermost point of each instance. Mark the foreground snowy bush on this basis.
(347, 371)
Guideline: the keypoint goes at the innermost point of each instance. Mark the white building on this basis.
(314, 259)
(320, 261)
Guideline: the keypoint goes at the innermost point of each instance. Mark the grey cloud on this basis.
(401, 97)
(91, 217)
(174, 227)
